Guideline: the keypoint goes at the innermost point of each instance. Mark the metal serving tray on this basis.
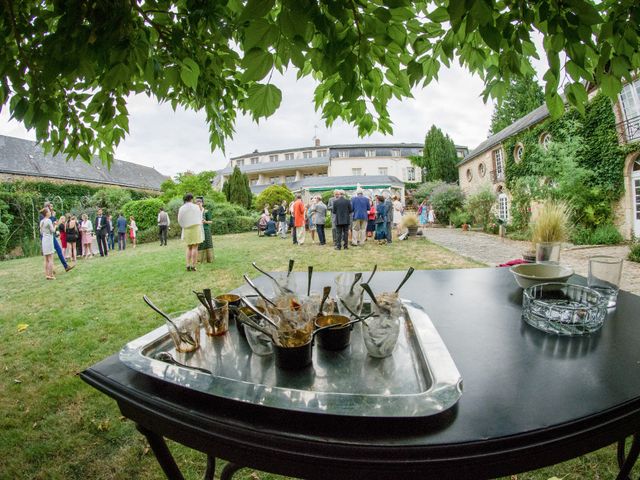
(419, 379)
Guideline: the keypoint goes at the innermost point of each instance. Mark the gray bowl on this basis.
(530, 274)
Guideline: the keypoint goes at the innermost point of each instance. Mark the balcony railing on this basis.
(629, 130)
(496, 176)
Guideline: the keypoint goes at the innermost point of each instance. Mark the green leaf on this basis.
(610, 85)
(257, 63)
(189, 73)
(118, 75)
(491, 37)
(439, 15)
(587, 13)
(256, 9)
(260, 34)
(398, 34)
(263, 100)
(456, 10)
(481, 12)
(555, 105)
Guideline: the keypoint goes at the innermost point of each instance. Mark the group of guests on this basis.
(70, 238)
(352, 221)
(195, 220)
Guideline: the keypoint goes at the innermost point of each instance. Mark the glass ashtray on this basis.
(563, 309)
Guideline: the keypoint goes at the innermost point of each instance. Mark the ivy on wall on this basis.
(599, 153)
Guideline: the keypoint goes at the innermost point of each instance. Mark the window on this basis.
(503, 207)
(306, 154)
(395, 152)
(274, 180)
(356, 171)
(499, 164)
(240, 162)
(383, 171)
(369, 153)
(482, 170)
(254, 160)
(411, 174)
(545, 140)
(419, 152)
(273, 158)
(460, 154)
(518, 152)
(308, 175)
(343, 153)
(321, 153)
(288, 156)
(630, 100)
(322, 174)
(469, 174)
(253, 182)
(290, 178)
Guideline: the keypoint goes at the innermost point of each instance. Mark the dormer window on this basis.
(254, 160)
(306, 154)
(369, 152)
(240, 162)
(273, 158)
(395, 152)
(288, 156)
(343, 153)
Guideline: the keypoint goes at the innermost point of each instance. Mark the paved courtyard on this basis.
(493, 250)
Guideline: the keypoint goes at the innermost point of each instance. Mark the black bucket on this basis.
(293, 358)
(334, 339)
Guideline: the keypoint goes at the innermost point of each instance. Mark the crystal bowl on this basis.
(563, 309)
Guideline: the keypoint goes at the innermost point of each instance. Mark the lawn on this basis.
(53, 426)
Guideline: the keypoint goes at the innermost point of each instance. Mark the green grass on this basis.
(54, 426)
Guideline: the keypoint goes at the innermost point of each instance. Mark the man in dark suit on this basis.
(102, 231)
(342, 209)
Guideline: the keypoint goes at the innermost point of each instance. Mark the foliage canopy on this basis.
(521, 96)
(439, 157)
(67, 68)
(273, 195)
(237, 189)
(198, 184)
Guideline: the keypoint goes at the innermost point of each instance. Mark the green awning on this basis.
(340, 187)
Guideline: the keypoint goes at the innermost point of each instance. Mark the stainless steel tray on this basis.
(419, 379)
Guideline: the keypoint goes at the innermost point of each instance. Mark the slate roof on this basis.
(338, 182)
(25, 157)
(533, 117)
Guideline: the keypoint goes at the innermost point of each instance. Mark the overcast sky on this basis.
(177, 141)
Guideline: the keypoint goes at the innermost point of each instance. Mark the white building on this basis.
(375, 167)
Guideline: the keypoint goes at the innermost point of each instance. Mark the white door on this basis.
(635, 181)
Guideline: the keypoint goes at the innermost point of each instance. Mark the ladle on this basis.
(406, 277)
(184, 336)
(252, 285)
(168, 358)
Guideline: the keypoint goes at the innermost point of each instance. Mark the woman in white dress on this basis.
(397, 213)
(86, 233)
(190, 219)
(47, 231)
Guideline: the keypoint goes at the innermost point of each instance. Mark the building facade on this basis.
(486, 164)
(324, 167)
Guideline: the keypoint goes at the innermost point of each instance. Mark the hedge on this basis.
(145, 212)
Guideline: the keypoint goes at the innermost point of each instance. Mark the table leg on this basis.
(211, 467)
(626, 462)
(162, 453)
(228, 471)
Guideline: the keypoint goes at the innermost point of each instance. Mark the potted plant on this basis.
(465, 227)
(550, 229)
(410, 222)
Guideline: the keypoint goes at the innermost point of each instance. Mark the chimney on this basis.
(317, 142)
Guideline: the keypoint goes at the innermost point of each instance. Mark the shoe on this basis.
(337, 248)
(346, 248)
(188, 268)
(69, 267)
(193, 269)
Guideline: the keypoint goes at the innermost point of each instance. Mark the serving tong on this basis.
(183, 335)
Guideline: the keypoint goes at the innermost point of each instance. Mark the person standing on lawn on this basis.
(319, 211)
(360, 206)
(298, 219)
(381, 221)
(336, 195)
(56, 245)
(133, 230)
(282, 219)
(371, 221)
(73, 233)
(47, 234)
(121, 225)
(110, 235)
(190, 219)
(102, 230)
(388, 215)
(342, 209)
(86, 232)
(205, 249)
(163, 226)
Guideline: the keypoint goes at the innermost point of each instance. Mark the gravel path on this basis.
(493, 250)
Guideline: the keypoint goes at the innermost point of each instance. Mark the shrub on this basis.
(634, 252)
(4, 238)
(480, 206)
(144, 211)
(606, 234)
(446, 199)
(425, 190)
(273, 194)
(460, 217)
(111, 199)
(409, 220)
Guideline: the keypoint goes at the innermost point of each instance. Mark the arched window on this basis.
(482, 169)
(518, 152)
(503, 207)
(469, 174)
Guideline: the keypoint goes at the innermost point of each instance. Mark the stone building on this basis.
(25, 160)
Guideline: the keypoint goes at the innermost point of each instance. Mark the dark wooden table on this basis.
(530, 399)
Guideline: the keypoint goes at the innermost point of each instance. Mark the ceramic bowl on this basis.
(530, 274)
